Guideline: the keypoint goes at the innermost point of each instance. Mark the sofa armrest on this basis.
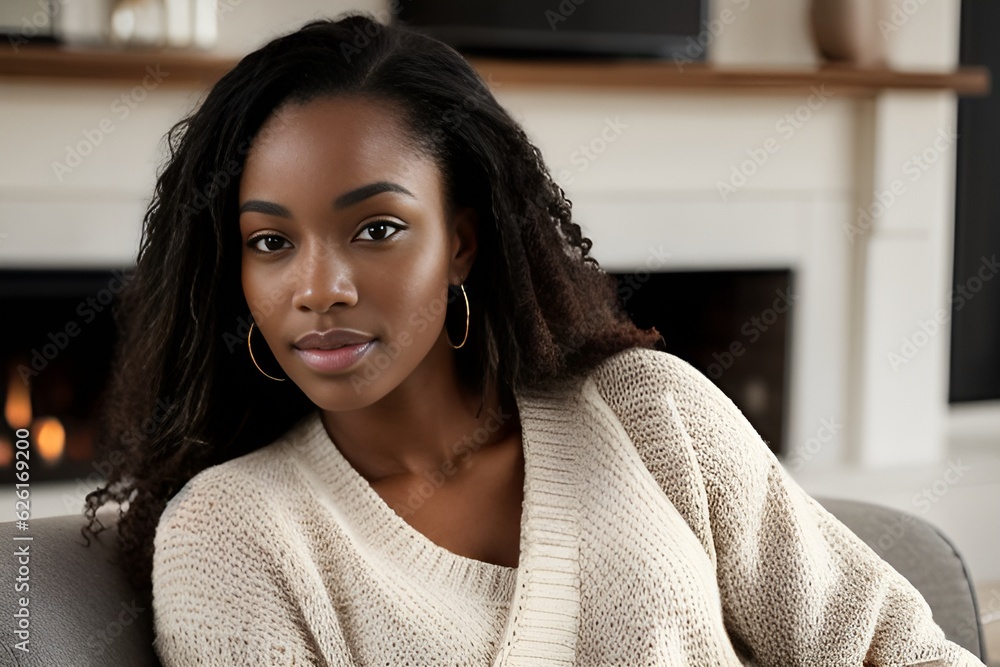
(926, 558)
(81, 609)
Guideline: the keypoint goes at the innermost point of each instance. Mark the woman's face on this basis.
(344, 226)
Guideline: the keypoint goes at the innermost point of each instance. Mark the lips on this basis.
(339, 359)
(332, 339)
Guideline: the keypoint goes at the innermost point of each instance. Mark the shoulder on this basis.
(656, 391)
(644, 358)
(676, 420)
(224, 485)
(232, 499)
(227, 557)
(214, 511)
(225, 528)
(637, 372)
(210, 491)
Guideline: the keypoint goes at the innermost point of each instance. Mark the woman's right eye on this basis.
(273, 245)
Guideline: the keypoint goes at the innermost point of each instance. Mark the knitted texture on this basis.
(657, 528)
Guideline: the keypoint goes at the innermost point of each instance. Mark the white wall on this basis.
(245, 25)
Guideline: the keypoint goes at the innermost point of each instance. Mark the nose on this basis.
(322, 279)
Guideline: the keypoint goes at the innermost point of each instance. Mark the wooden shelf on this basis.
(194, 68)
(187, 67)
(659, 75)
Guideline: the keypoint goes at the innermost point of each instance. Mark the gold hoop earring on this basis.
(255, 361)
(467, 313)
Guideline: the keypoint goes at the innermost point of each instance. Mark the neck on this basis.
(422, 424)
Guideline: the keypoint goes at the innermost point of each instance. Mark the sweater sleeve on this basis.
(218, 592)
(797, 586)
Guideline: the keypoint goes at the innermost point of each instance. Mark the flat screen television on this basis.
(628, 28)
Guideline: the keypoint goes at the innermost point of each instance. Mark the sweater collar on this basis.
(543, 622)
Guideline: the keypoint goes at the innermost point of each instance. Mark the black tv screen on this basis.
(634, 28)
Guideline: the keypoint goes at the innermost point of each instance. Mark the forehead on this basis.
(340, 141)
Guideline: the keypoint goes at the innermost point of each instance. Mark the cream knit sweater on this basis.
(657, 529)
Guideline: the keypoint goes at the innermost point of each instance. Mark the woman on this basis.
(404, 420)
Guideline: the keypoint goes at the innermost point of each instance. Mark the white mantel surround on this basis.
(649, 199)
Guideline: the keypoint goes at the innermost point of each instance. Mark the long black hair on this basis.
(184, 394)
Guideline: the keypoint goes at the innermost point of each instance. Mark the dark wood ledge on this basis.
(176, 67)
(662, 75)
(196, 68)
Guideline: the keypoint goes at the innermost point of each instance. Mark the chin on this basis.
(342, 393)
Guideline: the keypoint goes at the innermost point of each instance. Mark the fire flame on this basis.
(48, 433)
(17, 410)
(50, 438)
(6, 452)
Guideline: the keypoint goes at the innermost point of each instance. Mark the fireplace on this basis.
(55, 357)
(733, 326)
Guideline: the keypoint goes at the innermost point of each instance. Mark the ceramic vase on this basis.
(848, 31)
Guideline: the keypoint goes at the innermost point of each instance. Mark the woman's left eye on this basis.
(380, 230)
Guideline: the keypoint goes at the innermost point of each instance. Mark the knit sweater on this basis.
(657, 528)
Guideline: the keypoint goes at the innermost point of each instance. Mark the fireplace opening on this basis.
(733, 326)
(55, 355)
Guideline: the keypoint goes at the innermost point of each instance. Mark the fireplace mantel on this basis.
(192, 67)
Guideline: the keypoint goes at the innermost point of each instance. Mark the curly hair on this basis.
(183, 394)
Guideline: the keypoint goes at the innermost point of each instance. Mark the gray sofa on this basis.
(83, 613)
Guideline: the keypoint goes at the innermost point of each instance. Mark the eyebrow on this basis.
(345, 200)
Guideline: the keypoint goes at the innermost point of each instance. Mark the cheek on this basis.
(249, 281)
(262, 293)
(246, 282)
(418, 292)
(249, 287)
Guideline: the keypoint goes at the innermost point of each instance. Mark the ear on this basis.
(464, 238)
